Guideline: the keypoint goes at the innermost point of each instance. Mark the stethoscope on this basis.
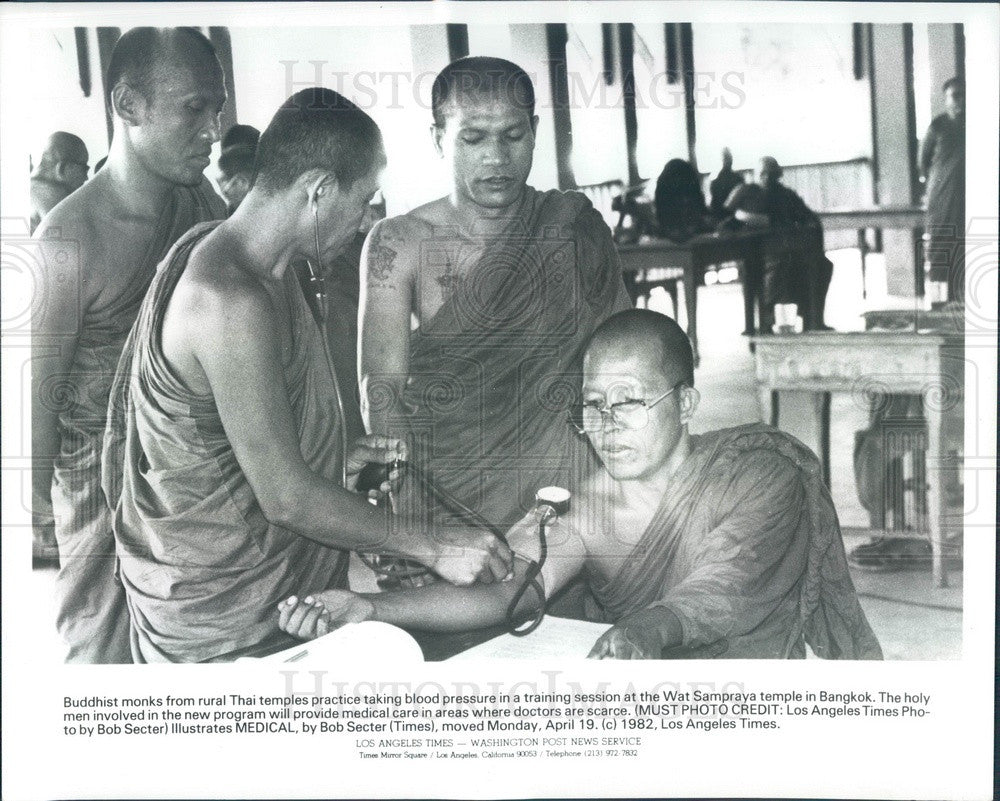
(550, 502)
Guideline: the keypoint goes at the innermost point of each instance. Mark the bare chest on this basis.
(611, 535)
(119, 263)
(443, 265)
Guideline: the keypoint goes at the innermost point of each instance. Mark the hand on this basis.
(43, 541)
(471, 557)
(316, 615)
(380, 450)
(43, 532)
(640, 635)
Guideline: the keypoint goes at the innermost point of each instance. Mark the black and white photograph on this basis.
(615, 378)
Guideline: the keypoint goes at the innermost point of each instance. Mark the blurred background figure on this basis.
(245, 135)
(62, 169)
(723, 185)
(236, 164)
(795, 268)
(680, 204)
(942, 161)
(235, 175)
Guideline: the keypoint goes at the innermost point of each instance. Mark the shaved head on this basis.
(769, 164)
(64, 161)
(141, 53)
(318, 129)
(63, 146)
(654, 335)
(480, 76)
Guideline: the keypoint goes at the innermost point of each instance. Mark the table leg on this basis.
(691, 304)
(671, 287)
(863, 250)
(768, 405)
(822, 405)
(750, 293)
(935, 490)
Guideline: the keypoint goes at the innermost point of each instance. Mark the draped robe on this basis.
(942, 159)
(91, 613)
(202, 567)
(493, 373)
(745, 549)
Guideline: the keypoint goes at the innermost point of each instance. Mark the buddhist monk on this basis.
(942, 162)
(719, 545)
(61, 170)
(100, 249)
(226, 460)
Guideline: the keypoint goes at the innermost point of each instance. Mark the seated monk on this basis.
(796, 269)
(225, 456)
(680, 204)
(724, 544)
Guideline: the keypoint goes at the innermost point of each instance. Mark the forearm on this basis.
(44, 448)
(51, 362)
(382, 404)
(443, 607)
(338, 518)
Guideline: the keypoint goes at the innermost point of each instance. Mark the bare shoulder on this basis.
(410, 227)
(80, 241)
(392, 248)
(76, 223)
(215, 292)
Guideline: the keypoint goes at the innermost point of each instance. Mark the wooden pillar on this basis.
(219, 37)
(83, 59)
(556, 38)
(458, 41)
(688, 77)
(894, 142)
(106, 39)
(626, 51)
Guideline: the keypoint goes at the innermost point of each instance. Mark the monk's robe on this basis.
(745, 549)
(495, 370)
(91, 613)
(203, 568)
(942, 159)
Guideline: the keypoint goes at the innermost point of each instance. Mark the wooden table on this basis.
(883, 217)
(690, 259)
(930, 365)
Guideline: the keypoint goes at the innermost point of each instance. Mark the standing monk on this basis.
(225, 459)
(505, 284)
(101, 247)
(942, 161)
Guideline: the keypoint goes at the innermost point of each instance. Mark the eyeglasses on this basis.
(631, 414)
